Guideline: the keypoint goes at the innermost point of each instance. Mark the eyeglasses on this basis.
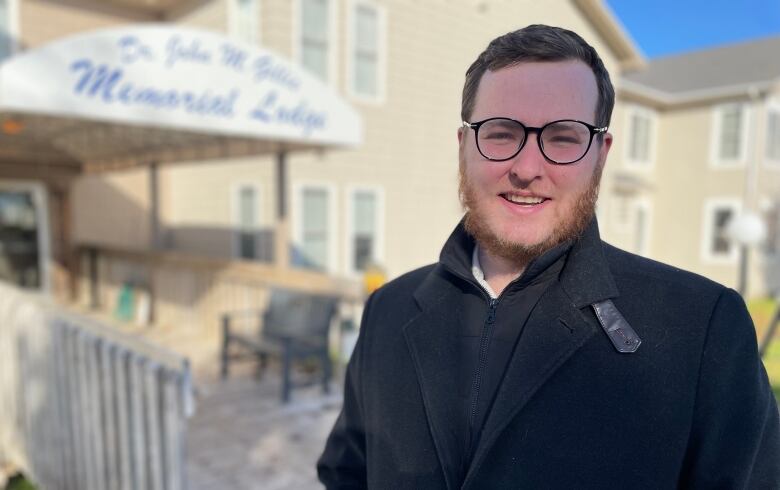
(561, 142)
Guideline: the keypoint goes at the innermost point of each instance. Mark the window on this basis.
(246, 20)
(641, 127)
(365, 50)
(641, 231)
(314, 227)
(247, 221)
(366, 229)
(718, 214)
(730, 136)
(772, 220)
(7, 27)
(773, 135)
(314, 42)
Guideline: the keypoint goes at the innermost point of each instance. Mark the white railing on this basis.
(85, 408)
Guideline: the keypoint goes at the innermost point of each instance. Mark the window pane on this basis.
(5, 30)
(246, 25)
(366, 54)
(640, 138)
(315, 227)
(730, 133)
(314, 32)
(773, 136)
(772, 219)
(640, 230)
(364, 224)
(248, 208)
(720, 242)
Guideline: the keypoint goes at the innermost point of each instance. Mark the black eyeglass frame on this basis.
(594, 130)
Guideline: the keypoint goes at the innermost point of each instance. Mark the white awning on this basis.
(159, 92)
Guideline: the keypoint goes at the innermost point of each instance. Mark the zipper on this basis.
(483, 351)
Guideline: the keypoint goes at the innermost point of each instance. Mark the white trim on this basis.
(333, 40)
(381, 64)
(645, 205)
(698, 95)
(333, 225)
(235, 213)
(41, 202)
(379, 248)
(708, 224)
(773, 106)
(652, 117)
(717, 116)
(233, 20)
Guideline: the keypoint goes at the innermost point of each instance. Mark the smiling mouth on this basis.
(524, 200)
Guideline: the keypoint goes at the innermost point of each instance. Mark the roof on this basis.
(607, 24)
(747, 63)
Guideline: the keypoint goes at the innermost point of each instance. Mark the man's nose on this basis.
(528, 165)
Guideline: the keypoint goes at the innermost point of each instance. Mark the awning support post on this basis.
(282, 231)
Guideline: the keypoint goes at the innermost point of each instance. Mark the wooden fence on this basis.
(85, 408)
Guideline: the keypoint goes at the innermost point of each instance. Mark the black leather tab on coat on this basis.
(623, 337)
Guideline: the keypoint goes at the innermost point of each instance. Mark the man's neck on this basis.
(498, 271)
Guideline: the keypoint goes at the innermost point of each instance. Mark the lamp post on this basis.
(745, 230)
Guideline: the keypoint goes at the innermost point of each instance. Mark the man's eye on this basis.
(498, 136)
(564, 139)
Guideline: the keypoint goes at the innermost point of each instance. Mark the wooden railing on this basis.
(184, 296)
(83, 407)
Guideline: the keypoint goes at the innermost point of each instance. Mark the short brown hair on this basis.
(539, 43)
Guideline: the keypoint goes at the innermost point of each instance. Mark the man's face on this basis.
(533, 93)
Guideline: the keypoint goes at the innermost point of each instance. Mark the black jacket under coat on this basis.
(691, 408)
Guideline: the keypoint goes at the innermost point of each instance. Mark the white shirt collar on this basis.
(479, 275)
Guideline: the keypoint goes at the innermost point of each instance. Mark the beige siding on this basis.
(211, 15)
(41, 21)
(112, 209)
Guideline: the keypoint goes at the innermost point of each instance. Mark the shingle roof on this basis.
(733, 64)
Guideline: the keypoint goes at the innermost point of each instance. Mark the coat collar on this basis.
(553, 333)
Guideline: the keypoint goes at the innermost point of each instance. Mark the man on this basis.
(533, 355)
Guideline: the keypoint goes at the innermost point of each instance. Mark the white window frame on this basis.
(647, 207)
(773, 106)
(235, 213)
(716, 161)
(233, 20)
(381, 75)
(349, 249)
(333, 40)
(708, 227)
(333, 225)
(652, 117)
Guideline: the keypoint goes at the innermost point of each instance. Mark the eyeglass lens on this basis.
(561, 141)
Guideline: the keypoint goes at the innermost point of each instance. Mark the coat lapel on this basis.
(434, 350)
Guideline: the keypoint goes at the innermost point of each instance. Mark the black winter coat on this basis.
(690, 408)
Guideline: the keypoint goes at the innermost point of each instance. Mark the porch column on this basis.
(282, 230)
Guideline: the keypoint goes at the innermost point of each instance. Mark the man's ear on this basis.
(604, 146)
(460, 135)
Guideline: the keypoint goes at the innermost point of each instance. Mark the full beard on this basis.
(571, 227)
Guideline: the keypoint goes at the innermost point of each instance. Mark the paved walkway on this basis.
(242, 438)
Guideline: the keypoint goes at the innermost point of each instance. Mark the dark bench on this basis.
(293, 327)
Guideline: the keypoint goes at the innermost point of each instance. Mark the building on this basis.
(700, 143)
(210, 234)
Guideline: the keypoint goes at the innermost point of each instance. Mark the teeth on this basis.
(523, 199)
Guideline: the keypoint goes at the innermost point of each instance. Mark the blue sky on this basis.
(664, 27)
